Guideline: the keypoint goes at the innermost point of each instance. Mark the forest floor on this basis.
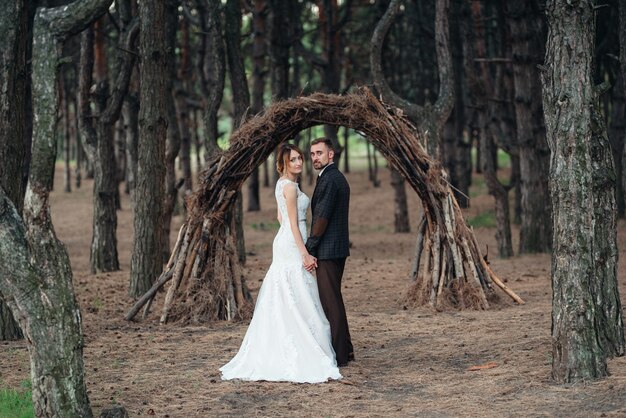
(409, 361)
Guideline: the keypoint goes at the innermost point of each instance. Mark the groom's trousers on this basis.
(329, 274)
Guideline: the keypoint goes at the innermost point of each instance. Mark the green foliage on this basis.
(97, 304)
(504, 159)
(483, 220)
(17, 403)
(478, 187)
(266, 226)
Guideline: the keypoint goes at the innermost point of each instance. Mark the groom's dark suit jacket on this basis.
(330, 203)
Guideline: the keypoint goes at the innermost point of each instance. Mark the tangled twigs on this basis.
(207, 280)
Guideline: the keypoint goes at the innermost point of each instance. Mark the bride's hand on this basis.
(309, 262)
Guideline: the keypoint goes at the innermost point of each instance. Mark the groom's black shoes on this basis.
(350, 358)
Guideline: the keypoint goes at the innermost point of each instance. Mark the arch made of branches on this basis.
(205, 260)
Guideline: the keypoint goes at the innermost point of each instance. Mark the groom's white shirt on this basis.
(320, 173)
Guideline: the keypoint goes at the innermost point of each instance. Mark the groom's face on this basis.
(321, 155)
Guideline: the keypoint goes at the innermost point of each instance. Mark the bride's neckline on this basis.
(285, 178)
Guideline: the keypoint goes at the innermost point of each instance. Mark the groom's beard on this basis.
(319, 166)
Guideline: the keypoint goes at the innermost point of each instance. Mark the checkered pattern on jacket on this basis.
(330, 205)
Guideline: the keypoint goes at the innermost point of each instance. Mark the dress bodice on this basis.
(302, 202)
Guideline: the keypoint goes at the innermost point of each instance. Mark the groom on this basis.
(329, 243)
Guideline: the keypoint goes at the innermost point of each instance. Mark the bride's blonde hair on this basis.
(283, 156)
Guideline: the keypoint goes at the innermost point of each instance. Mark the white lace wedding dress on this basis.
(289, 336)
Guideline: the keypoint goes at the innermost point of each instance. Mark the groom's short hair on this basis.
(324, 140)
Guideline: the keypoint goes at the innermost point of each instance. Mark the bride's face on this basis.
(294, 164)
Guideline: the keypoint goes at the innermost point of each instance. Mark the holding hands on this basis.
(309, 262)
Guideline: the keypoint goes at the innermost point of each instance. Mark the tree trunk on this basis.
(198, 144)
(183, 109)
(372, 164)
(401, 213)
(621, 203)
(13, 80)
(213, 71)
(241, 101)
(617, 134)
(147, 259)
(499, 193)
(526, 28)
(331, 55)
(119, 142)
(279, 55)
(515, 183)
(459, 151)
(131, 120)
(259, 52)
(13, 87)
(98, 137)
(279, 49)
(346, 146)
(429, 119)
(173, 132)
(481, 90)
(104, 240)
(587, 325)
(50, 315)
(65, 117)
(622, 40)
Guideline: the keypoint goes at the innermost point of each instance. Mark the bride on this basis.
(289, 337)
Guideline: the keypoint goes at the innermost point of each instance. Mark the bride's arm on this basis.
(291, 196)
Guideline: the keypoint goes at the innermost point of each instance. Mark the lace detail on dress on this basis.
(302, 202)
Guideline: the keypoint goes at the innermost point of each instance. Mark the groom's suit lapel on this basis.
(319, 184)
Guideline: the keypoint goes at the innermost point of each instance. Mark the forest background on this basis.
(134, 99)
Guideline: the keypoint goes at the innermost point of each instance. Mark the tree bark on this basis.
(401, 213)
(147, 259)
(98, 136)
(617, 136)
(526, 29)
(213, 71)
(587, 324)
(279, 49)
(241, 102)
(498, 191)
(183, 109)
(622, 40)
(259, 53)
(65, 118)
(49, 315)
(279, 55)
(331, 56)
(13, 87)
(173, 130)
(622, 60)
(36, 280)
(481, 89)
(458, 152)
(130, 111)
